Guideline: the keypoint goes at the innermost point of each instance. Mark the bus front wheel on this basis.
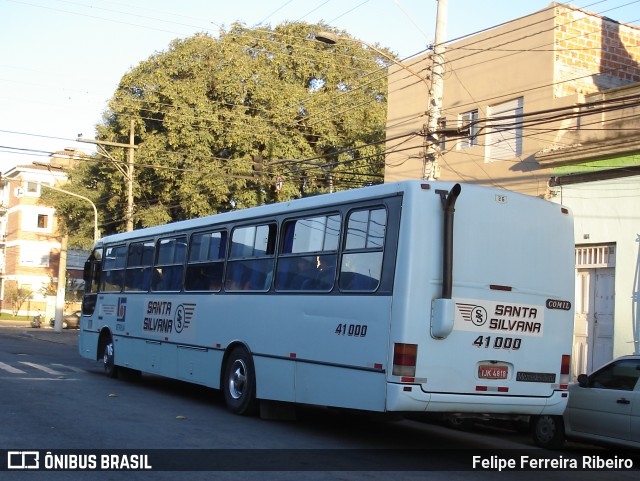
(108, 359)
(239, 382)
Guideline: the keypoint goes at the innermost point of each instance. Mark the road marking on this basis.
(40, 367)
(11, 369)
(70, 368)
(38, 379)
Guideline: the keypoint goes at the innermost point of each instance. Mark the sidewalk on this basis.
(66, 336)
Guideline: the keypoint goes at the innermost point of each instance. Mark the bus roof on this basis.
(323, 200)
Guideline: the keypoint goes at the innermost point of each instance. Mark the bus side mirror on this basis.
(442, 314)
(86, 275)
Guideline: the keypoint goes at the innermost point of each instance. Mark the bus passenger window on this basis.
(139, 262)
(308, 254)
(361, 268)
(206, 261)
(112, 278)
(250, 266)
(169, 265)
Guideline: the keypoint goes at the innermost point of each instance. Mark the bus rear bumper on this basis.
(400, 398)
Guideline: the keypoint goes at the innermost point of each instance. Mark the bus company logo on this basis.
(122, 309)
(472, 313)
(184, 314)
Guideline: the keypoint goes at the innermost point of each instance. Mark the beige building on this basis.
(547, 105)
(29, 241)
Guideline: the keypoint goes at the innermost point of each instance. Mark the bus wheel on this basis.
(548, 431)
(108, 359)
(239, 382)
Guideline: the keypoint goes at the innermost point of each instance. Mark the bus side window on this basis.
(308, 254)
(139, 262)
(250, 266)
(361, 267)
(169, 265)
(205, 268)
(113, 264)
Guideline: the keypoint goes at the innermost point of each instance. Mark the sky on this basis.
(61, 60)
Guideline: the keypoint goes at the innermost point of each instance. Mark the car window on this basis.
(621, 375)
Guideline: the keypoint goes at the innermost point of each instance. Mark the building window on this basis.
(32, 187)
(35, 255)
(43, 221)
(504, 131)
(469, 120)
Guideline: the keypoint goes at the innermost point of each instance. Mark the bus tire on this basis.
(108, 359)
(459, 423)
(548, 431)
(239, 382)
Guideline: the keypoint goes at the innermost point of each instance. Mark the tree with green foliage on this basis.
(16, 296)
(219, 120)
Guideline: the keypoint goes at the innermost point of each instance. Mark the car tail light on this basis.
(404, 359)
(565, 369)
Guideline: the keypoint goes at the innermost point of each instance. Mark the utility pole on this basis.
(129, 173)
(432, 139)
(61, 292)
(130, 178)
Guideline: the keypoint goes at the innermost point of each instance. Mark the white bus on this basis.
(371, 299)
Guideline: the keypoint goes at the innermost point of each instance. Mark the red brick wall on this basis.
(593, 53)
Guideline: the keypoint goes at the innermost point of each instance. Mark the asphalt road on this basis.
(55, 401)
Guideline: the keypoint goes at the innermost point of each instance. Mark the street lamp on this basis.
(331, 38)
(96, 234)
(434, 84)
(62, 266)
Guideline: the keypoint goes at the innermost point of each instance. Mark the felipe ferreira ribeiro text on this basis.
(496, 463)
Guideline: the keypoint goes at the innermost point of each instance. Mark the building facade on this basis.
(30, 245)
(546, 105)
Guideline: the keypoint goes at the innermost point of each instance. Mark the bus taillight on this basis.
(565, 369)
(404, 359)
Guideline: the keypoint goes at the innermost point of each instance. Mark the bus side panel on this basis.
(198, 365)
(275, 379)
(88, 342)
(340, 387)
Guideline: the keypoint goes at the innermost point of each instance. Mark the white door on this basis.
(580, 355)
(593, 325)
(604, 301)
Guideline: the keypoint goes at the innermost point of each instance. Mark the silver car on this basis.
(603, 407)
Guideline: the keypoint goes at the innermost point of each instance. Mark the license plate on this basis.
(493, 372)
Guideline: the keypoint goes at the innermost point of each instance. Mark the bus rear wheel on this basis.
(108, 359)
(239, 382)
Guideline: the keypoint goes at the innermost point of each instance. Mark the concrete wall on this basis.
(609, 212)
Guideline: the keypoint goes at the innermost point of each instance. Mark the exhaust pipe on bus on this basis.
(443, 308)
